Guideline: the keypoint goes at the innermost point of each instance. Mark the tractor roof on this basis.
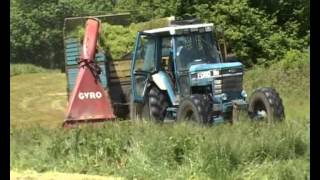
(179, 29)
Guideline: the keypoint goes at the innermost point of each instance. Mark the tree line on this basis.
(257, 31)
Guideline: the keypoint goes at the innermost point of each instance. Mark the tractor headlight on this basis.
(217, 86)
(244, 94)
(218, 91)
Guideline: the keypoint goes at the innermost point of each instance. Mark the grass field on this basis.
(245, 150)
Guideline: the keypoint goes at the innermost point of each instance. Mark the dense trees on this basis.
(256, 31)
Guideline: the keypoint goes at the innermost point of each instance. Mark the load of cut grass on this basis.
(118, 40)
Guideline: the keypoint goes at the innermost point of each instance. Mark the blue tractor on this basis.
(178, 73)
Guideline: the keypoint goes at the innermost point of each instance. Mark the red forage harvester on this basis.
(89, 101)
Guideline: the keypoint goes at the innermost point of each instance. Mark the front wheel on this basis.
(194, 108)
(266, 104)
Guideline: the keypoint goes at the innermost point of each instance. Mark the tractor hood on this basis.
(218, 66)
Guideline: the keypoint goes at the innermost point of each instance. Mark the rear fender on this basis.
(162, 80)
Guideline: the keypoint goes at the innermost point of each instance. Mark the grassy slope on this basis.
(147, 151)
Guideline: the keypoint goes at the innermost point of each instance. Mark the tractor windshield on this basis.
(195, 48)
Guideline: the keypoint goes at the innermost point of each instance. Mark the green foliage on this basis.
(292, 16)
(257, 31)
(117, 40)
(250, 34)
(35, 35)
(295, 60)
(36, 29)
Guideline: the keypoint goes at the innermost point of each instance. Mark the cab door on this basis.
(143, 64)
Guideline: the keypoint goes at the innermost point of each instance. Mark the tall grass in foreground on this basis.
(145, 150)
(244, 150)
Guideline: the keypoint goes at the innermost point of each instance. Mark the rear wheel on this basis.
(158, 103)
(153, 108)
(266, 104)
(194, 108)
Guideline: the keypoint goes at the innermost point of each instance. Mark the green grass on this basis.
(37, 98)
(149, 151)
(244, 150)
(16, 69)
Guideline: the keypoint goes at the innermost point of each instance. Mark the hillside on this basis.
(245, 150)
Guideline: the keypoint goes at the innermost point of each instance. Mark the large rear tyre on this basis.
(266, 104)
(194, 108)
(158, 103)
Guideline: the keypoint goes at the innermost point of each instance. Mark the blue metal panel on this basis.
(72, 50)
(70, 54)
(72, 75)
(201, 82)
(72, 45)
(72, 60)
(100, 57)
(72, 40)
(133, 89)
